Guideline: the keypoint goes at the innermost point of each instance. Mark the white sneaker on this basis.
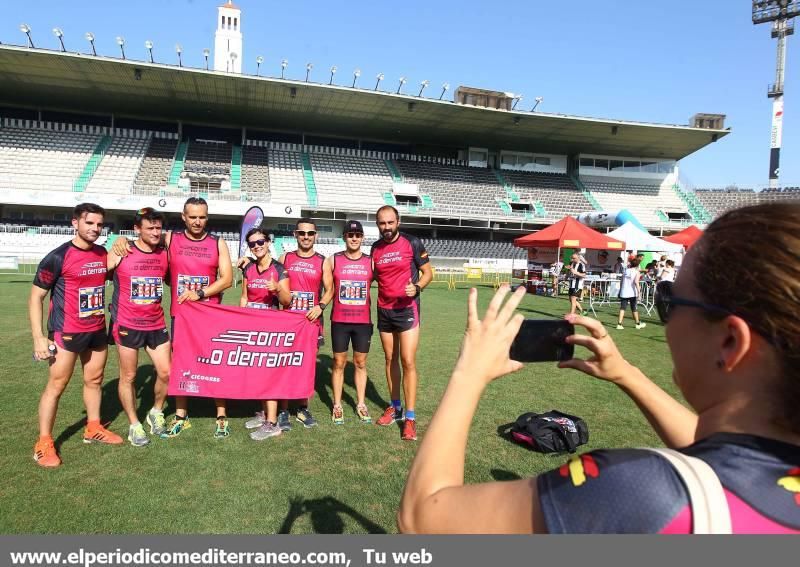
(620, 327)
(266, 431)
(137, 436)
(641, 325)
(256, 422)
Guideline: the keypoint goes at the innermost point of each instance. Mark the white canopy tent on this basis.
(639, 240)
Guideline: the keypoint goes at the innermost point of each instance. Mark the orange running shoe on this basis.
(409, 430)
(389, 416)
(44, 453)
(100, 434)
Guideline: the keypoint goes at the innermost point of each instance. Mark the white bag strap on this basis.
(710, 513)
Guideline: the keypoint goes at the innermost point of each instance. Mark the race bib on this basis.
(352, 293)
(302, 301)
(146, 290)
(191, 283)
(256, 305)
(91, 301)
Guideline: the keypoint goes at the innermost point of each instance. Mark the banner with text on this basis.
(221, 351)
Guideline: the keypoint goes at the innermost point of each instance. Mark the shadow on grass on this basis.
(501, 475)
(549, 314)
(110, 406)
(327, 516)
(323, 384)
(504, 432)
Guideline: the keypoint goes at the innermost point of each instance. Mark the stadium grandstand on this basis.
(467, 174)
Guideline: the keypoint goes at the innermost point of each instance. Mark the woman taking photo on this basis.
(736, 353)
(265, 285)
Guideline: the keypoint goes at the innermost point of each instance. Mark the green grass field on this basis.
(344, 479)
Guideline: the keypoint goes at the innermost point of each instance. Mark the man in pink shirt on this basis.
(402, 269)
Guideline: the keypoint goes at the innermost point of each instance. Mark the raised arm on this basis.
(435, 499)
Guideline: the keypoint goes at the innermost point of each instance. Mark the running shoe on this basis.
(304, 416)
(390, 416)
(641, 325)
(620, 327)
(409, 430)
(267, 430)
(363, 414)
(223, 429)
(157, 423)
(337, 415)
(283, 421)
(100, 434)
(176, 427)
(257, 421)
(44, 453)
(137, 436)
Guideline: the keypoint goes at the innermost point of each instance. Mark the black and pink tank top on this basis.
(258, 295)
(139, 281)
(305, 279)
(192, 265)
(351, 283)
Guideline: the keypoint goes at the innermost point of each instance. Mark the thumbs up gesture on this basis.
(411, 289)
(272, 284)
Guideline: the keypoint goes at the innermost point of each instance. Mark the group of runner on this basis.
(197, 267)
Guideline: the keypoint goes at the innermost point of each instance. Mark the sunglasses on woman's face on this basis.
(354, 235)
(666, 302)
(305, 232)
(254, 243)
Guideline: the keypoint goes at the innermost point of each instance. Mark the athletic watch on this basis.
(419, 289)
(201, 293)
(322, 306)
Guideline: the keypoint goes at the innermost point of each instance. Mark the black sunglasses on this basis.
(354, 234)
(666, 302)
(254, 243)
(305, 232)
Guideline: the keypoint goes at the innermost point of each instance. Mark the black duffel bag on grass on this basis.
(551, 432)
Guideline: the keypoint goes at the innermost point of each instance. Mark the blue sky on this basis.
(624, 59)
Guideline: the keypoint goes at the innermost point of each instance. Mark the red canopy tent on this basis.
(688, 236)
(569, 233)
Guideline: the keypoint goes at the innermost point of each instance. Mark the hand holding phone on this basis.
(543, 340)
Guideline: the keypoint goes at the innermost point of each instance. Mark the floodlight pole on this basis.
(60, 35)
(781, 14)
(26, 29)
(90, 38)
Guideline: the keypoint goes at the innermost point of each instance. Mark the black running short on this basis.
(575, 292)
(80, 342)
(133, 338)
(624, 301)
(398, 320)
(343, 333)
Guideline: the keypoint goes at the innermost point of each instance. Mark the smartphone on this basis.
(543, 340)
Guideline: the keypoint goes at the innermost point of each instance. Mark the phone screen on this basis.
(542, 340)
